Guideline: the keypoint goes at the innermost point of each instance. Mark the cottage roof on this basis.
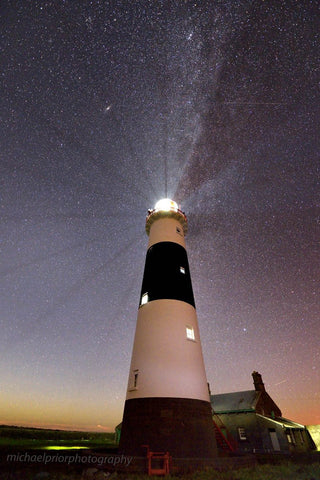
(235, 401)
(285, 422)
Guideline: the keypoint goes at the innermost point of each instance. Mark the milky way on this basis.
(107, 107)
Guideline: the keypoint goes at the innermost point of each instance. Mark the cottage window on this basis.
(301, 436)
(242, 433)
(290, 436)
(294, 434)
(190, 333)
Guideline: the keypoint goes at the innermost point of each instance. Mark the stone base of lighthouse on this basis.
(181, 426)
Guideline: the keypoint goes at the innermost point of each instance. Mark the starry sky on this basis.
(108, 106)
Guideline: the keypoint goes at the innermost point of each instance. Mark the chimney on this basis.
(258, 383)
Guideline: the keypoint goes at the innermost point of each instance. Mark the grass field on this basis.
(38, 438)
(16, 439)
(285, 471)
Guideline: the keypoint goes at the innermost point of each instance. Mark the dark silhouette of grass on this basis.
(284, 471)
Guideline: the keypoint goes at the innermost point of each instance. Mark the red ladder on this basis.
(223, 437)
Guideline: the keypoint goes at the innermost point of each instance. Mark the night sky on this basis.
(108, 106)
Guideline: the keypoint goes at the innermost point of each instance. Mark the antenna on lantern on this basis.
(165, 176)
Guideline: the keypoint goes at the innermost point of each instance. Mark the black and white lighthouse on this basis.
(167, 404)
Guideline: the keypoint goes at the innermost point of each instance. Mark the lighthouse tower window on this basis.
(190, 333)
(135, 378)
(134, 381)
(182, 270)
(144, 299)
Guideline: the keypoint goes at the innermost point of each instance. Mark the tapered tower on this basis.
(167, 404)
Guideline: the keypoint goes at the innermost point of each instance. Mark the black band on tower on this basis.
(166, 274)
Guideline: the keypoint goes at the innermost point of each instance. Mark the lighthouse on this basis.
(167, 403)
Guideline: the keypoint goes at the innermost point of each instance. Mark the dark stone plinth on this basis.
(181, 426)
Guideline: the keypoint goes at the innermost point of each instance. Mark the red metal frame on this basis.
(225, 439)
(165, 457)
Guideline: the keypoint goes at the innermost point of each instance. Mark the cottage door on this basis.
(274, 440)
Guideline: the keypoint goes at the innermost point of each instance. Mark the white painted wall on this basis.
(165, 230)
(168, 364)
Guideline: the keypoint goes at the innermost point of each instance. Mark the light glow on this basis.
(63, 447)
(165, 204)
